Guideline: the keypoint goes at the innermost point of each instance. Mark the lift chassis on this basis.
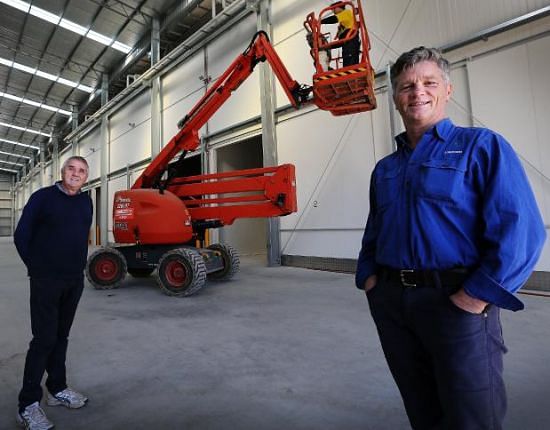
(162, 221)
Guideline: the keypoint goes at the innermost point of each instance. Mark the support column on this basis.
(42, 164)
(469, 105)
(55, 158)
(74, 125)
(13, 204)
(211, 165)
(269, 137)
(104, 165)
(156, 92)
(32, 164)
(24, 184)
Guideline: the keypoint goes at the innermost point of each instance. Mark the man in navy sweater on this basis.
(52, 240)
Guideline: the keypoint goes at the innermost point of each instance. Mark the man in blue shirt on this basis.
(52, 240)
(453, 232)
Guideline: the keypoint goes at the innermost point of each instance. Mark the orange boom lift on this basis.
(159, 222)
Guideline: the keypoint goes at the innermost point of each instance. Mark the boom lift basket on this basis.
(341, 90)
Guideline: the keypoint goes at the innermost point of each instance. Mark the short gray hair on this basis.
(415, 56)
(75, 157)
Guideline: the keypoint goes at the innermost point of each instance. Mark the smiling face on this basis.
(421, 94)
(74, 175)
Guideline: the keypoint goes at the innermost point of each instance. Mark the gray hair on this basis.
(417, 55)
(75, 157)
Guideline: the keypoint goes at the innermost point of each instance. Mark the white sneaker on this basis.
(68, 397)
(34, 418)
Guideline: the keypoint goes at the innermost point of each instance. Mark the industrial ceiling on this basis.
(55, 53)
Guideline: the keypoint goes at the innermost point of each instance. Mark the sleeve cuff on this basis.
(364, 270)
(483, 287)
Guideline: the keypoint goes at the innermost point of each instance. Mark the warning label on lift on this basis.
(124, 213)
(123, 210)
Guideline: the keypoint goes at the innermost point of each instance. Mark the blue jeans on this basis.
(53, 307)
(447, 363)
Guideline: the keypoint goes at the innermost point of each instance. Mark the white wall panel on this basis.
(181, 89)
(383, 19)
(131, 115)
(135, 174)
(543, 264)
(131, 147)
(458, 108)
(401, 25)
(381, 129)
(328, 243)
(245, 101)
(183, 81)
(130, 133)
(35, 182)
(510, 93)
(505, 107)
(288, 16)
(90, 149)
(333, 159)
(20, 200)
(538, 66)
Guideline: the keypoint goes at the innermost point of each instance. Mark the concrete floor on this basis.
(276, 348)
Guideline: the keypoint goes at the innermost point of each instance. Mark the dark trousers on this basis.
(53, 307)
(447, 363)
(350, 50)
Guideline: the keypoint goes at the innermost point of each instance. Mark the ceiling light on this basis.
(37, 104)
(45, 75)
(65, 23)
(8, 170)
(13, 154)
(20, 144)
(71, 26)
(18, 4)
(25, 129)
(104, 40)
(11, 162)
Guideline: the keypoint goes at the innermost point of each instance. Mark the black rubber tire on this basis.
(181, 272)
(141, 273)
(231, 262)
(106, 268)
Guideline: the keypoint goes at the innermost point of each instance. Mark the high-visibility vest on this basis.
(346, 20)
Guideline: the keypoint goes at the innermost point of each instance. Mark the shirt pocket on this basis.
(387, 187)
(442, 180)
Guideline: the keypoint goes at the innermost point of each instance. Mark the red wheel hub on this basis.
(106, 268)
(176, 274)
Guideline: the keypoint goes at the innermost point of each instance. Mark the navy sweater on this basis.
(52, 234)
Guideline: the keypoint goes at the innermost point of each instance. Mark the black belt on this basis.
(426, 278)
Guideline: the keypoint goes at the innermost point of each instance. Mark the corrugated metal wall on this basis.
(6, 205)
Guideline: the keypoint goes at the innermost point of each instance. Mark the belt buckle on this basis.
(402, 274)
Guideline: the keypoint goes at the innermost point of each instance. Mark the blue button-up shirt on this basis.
(459, 199)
